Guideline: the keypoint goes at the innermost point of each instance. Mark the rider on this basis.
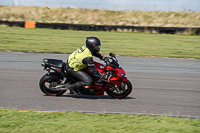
(81, 59)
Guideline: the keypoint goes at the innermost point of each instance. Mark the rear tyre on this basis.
(124, 90)
(48, 81)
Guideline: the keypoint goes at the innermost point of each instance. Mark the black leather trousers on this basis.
(84, 79)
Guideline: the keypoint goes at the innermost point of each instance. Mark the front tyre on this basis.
(48, 81)
(123, 91)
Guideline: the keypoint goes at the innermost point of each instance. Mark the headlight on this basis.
(122, 75)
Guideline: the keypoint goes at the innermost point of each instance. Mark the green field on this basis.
(12, 121)
(121, 43)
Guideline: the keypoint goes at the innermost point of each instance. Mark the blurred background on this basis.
(137, 5)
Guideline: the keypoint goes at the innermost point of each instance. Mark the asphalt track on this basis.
(161, 86)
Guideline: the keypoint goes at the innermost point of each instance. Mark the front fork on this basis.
(118, 87)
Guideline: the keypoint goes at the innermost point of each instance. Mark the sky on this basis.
(145, 5)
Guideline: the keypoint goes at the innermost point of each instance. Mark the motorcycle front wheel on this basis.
(48, 81)
(123, 91)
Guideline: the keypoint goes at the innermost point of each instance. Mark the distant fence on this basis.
(63, 26)
(114, 5)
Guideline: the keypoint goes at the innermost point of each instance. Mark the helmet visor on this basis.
(97, 48)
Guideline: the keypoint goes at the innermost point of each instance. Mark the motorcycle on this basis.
(56, 80)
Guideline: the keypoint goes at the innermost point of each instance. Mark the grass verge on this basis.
(129, 44)
(34, 122)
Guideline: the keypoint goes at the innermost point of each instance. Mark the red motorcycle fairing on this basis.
(102, 69)
(117, 79)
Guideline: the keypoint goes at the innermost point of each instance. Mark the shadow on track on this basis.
(93, 97)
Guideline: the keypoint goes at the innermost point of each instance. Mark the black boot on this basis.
(73, 90)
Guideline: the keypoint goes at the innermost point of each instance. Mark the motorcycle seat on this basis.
(54, 62)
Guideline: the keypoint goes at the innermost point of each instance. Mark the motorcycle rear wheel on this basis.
(124, 90)
(50, 80)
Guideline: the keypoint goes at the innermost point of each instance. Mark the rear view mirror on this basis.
(112, 55)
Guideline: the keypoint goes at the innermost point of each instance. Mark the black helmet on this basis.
(93, 44)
